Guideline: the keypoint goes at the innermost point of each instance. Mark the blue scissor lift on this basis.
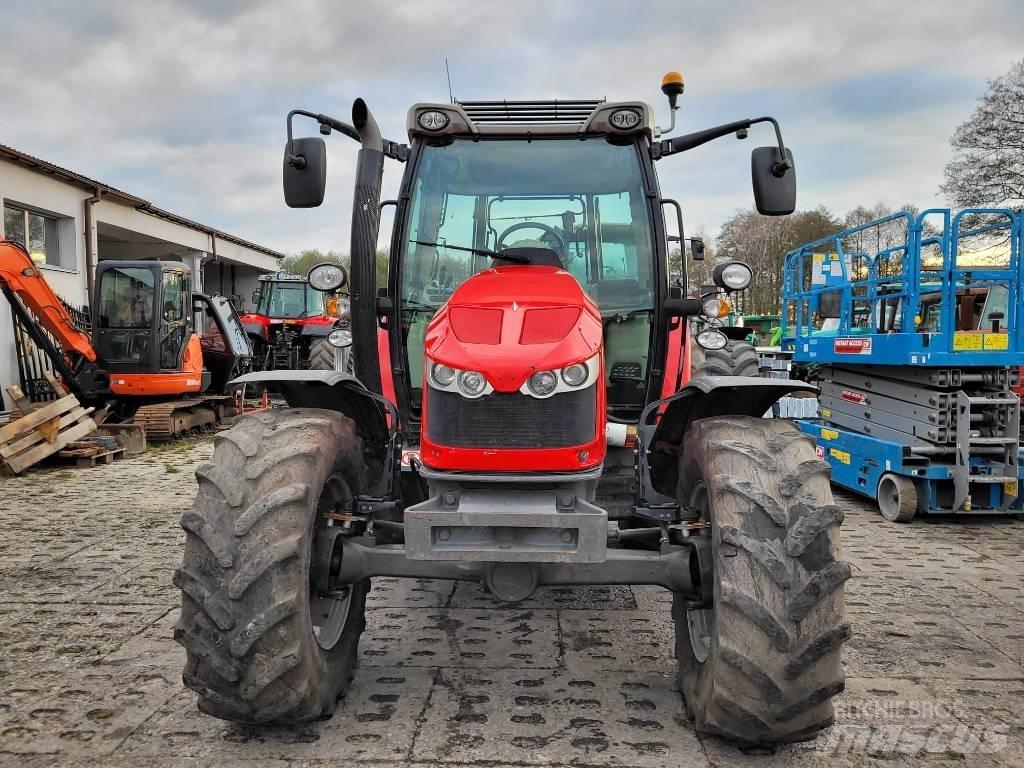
(910, 325)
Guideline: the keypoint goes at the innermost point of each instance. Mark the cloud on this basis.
(183, 103)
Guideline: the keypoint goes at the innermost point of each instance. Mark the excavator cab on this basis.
(143, 315)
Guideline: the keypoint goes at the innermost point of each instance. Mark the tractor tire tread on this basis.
(774, 662)
(251, 655)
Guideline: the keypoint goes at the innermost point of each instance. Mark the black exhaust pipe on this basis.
(365, 223)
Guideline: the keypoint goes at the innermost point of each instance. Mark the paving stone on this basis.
(388, 592)
(624, 640)
(563, 717)
(376, 722)
(460, 637)
(469, 595)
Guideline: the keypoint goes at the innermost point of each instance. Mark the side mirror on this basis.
(305, 172)
(696, 249)
(774, 181)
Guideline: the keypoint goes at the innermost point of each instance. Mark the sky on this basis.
(183, 102)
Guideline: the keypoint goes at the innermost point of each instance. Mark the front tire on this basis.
(737, 358)
(263, 646)
(321, 355)
(761, 664)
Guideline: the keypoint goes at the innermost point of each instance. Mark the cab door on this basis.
(175, 324)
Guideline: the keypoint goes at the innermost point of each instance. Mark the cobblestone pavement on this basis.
(89, 674)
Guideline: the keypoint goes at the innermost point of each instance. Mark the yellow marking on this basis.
(997, 341)
(829, 434)
(1010, 489)
(967, 341)
(826, 412)
(842, 456)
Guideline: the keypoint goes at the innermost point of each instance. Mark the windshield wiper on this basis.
(479, 251)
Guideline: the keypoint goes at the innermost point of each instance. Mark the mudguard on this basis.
(340, 392)
(701, 398)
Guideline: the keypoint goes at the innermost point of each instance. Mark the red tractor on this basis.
(523, 381)
(293, 326)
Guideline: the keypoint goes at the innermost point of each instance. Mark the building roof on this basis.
(113, 193)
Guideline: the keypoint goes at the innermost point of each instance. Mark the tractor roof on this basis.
(282, 277)
(525, 119)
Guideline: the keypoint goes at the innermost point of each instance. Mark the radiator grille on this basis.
(511, 420)
(530, 111)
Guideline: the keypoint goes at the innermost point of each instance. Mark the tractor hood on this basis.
(508, 322)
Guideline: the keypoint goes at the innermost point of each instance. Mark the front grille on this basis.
(542, 111)
(511, 420)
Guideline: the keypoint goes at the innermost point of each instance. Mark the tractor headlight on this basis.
(340, 337)
(472, 383)
(575, 374)
(542, 383)
(715, 308)
(711, 338)
(567, 379)
(442, 374)
(732, 276)
(327, 277)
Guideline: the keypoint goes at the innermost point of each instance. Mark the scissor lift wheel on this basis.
(897, 498)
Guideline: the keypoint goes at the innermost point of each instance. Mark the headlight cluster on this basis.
(541, 384)
(575, 376)
(340, 337)
(469, 384)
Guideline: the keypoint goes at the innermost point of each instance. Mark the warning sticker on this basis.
(967, 341)
(1010, 489)
(996, 341)
(848, 346)
(854, 397)
(829, 434)
(842, 456)
(820, 451)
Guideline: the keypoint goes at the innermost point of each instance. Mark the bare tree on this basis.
(987, 168)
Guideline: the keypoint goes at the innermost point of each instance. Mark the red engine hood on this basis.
(494, 345)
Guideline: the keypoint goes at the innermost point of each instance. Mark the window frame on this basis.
(26, 212)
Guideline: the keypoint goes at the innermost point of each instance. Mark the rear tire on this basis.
(761, 665)
(321, 355)
(737, 358)
(262, 646)
(898, 500)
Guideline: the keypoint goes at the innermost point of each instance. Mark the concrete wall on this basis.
(157, 238)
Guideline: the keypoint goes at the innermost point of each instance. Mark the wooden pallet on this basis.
(83, 460)
(42, 430)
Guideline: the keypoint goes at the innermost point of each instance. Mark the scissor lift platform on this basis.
(909, 325)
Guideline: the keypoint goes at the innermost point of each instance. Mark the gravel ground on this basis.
(89, 674)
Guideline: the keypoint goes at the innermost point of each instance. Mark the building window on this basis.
(38, 232)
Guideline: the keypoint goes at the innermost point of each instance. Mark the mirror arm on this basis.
(689, 141)
(392, 149)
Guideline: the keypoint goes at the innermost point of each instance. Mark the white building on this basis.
(69, 222)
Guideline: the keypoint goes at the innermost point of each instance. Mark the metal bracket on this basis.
(663, 513)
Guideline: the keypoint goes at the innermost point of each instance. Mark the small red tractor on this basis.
(523, 381)
(293, 326)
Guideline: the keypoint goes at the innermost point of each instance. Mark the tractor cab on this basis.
(587, 203)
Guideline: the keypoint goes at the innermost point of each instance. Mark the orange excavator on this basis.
(157, 350)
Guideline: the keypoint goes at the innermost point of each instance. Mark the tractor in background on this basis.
(295, 327)
(523, 380)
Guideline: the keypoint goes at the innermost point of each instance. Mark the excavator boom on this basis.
(21, 277)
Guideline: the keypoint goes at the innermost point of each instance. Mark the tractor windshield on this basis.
(583, 199)
(290, 300)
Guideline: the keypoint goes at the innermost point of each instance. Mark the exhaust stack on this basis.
(363, 247)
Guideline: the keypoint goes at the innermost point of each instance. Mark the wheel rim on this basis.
(329, 613)
(888, 498)
(700, 621)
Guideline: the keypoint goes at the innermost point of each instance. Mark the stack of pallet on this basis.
(42, 429)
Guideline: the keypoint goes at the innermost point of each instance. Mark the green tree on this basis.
(300, 263)
(987, 169)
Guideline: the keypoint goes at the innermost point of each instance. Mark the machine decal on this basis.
(852, 346)
(854, 397)
(829, 434)
(842, 456)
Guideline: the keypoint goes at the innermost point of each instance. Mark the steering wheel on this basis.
(550, 231)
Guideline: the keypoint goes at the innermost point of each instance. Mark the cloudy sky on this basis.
(183, 102)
